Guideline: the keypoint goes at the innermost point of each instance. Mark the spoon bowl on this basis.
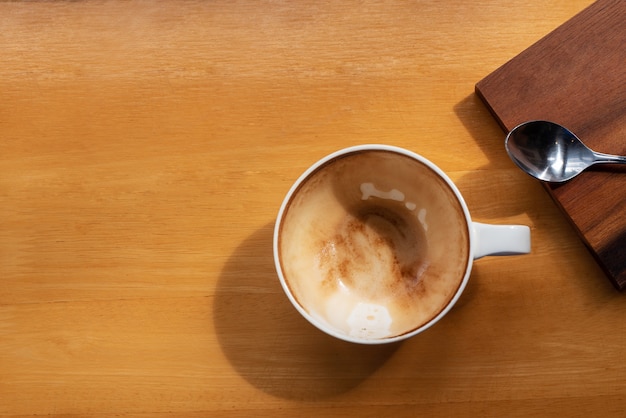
(551, 152)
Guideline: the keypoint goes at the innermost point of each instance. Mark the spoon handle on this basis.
(608, 158)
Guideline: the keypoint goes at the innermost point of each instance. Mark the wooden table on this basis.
(145, 149)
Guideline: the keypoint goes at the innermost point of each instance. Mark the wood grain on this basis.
(576, 76)
(145, 148)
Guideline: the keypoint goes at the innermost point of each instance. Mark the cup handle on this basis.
(500, 239)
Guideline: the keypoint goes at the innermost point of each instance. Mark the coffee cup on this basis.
(375, 244)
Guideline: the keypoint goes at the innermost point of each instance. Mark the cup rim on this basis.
(351, 150)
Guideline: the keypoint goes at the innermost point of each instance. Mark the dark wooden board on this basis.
(576, 76)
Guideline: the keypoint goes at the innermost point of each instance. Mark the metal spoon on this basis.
(550, 152)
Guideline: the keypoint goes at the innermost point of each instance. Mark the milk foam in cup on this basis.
(375, 244)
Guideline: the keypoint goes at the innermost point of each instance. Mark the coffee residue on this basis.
(376, 253)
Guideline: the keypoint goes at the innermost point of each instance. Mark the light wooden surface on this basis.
(144, 150)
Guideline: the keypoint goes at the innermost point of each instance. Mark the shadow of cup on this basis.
(270, 344)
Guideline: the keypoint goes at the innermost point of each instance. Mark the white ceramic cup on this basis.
(375, 244)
